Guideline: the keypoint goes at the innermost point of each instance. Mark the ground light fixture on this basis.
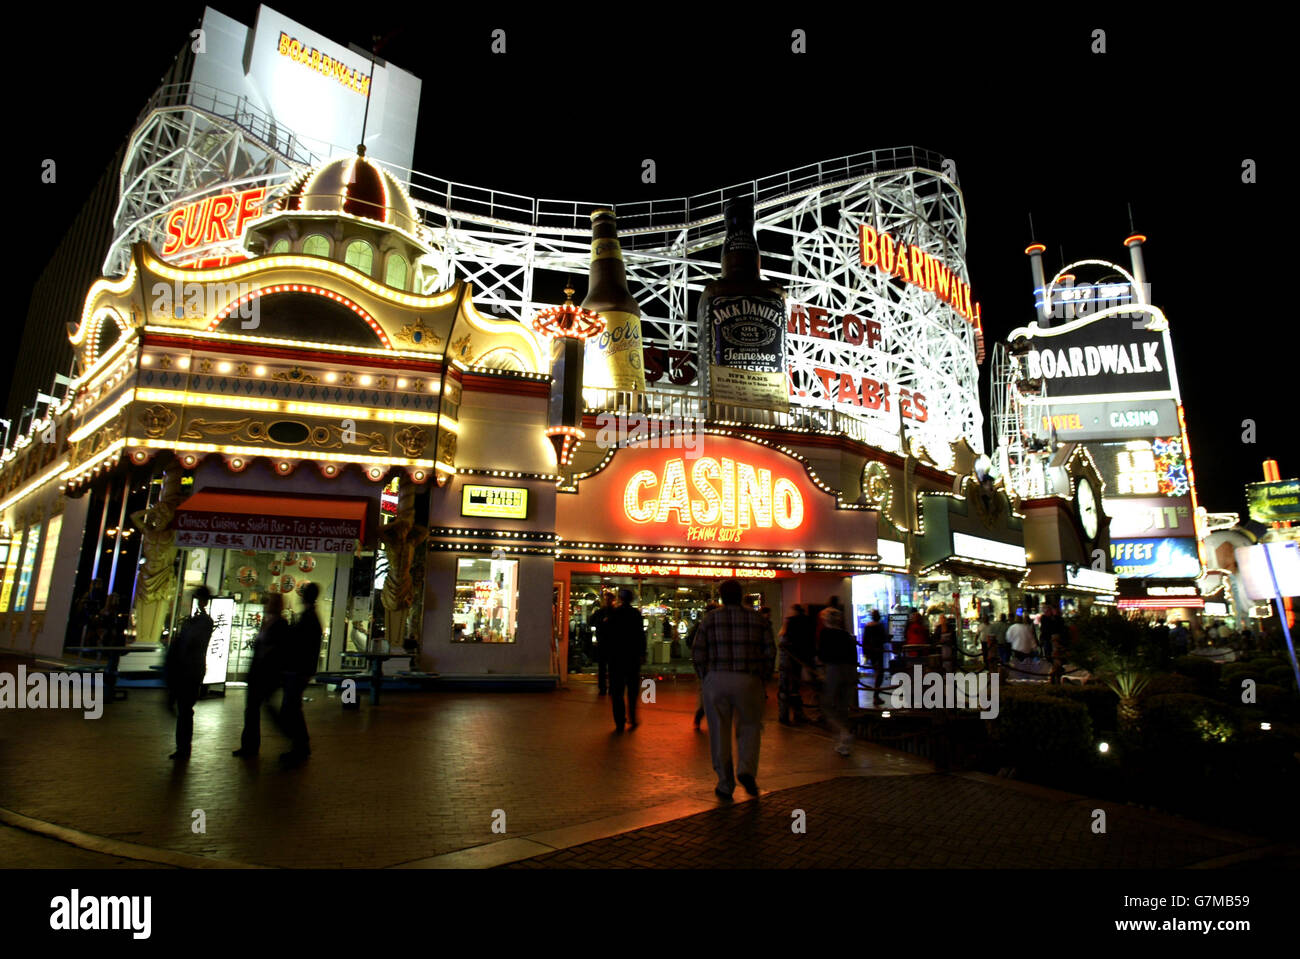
(1103, 747)
(1265, 726)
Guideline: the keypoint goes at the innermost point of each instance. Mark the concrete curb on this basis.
(115, 847)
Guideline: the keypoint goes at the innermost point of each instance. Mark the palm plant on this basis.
(1122, 653)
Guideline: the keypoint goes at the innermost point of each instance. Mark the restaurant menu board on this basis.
(898, 630)
(222, 611)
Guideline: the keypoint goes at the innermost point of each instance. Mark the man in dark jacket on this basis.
(599, 622)
(183, 669)
(796, 651)
(874, 637)
(266, 673)
(301, 662)
(626, 653)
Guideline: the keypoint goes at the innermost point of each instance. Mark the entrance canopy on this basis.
(229, 519)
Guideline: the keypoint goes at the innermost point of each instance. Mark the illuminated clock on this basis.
(1086, 499)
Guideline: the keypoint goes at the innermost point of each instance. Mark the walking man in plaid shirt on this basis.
(734, 655)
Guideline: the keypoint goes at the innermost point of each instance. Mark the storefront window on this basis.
(46, 573)
(23, 587)
(8, 558)
(487, 600)
(248, 576)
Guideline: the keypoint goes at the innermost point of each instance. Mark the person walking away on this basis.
(801, 636)
(110, 623)
(837, 650)
(1022, 639)
(735, 654)
(917, 638)
(789, 706)
(947, 642)
(690, 645)
(1181, 639)
(266, 673)
(1004, 645)
(988, 640)
(302, 659)
(874, 637)
(626, 654)
(88, 608)
(599, 622)
(183, 668)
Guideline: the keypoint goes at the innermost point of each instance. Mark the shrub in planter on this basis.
(1204, 671)
(1185, 722)
(1234, 673)
(1280, 676)
(1037, 729)
(1276, 702)
(1100, 701)
(1162, 683)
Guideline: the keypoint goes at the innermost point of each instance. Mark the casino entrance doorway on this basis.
(670, 606)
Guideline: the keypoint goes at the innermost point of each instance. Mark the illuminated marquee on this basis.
(209, 220)
(918, 268)
(846, 386)
(730, 497)
(660, 569)
(310, 57)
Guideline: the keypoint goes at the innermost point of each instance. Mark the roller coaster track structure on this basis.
(192, 141)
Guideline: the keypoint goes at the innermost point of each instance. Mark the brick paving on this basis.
(914, 822)
(416, 777)
(420, 777)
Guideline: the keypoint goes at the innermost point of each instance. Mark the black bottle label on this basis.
(748, 332)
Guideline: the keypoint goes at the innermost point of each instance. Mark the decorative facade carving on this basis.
(156, 420)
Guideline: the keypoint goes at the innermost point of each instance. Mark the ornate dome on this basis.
(352, 185)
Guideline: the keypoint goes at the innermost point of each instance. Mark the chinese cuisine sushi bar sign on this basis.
(267, 533)
(723, 494)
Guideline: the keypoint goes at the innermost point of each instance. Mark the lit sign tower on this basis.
(1097, 367)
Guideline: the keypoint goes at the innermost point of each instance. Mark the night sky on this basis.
(1036, 123)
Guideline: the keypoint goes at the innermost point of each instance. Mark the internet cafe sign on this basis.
(266, 533)
(730, 495)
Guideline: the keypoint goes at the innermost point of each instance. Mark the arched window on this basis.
(360, 255)
(395, 274)
(316, 245)
(280, 246)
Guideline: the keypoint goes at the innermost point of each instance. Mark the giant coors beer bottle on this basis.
(742, 321)
(614, 358)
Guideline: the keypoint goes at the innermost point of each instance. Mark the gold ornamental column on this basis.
(400, 539)
(156, 589)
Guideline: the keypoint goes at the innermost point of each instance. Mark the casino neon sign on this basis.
(212, 219)
(723, 498)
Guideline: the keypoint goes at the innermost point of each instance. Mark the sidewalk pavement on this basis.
(421, 780)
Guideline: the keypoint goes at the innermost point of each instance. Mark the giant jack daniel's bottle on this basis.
(614, 358)
(742, 322)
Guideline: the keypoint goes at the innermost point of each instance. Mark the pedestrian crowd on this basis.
(285, 658)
